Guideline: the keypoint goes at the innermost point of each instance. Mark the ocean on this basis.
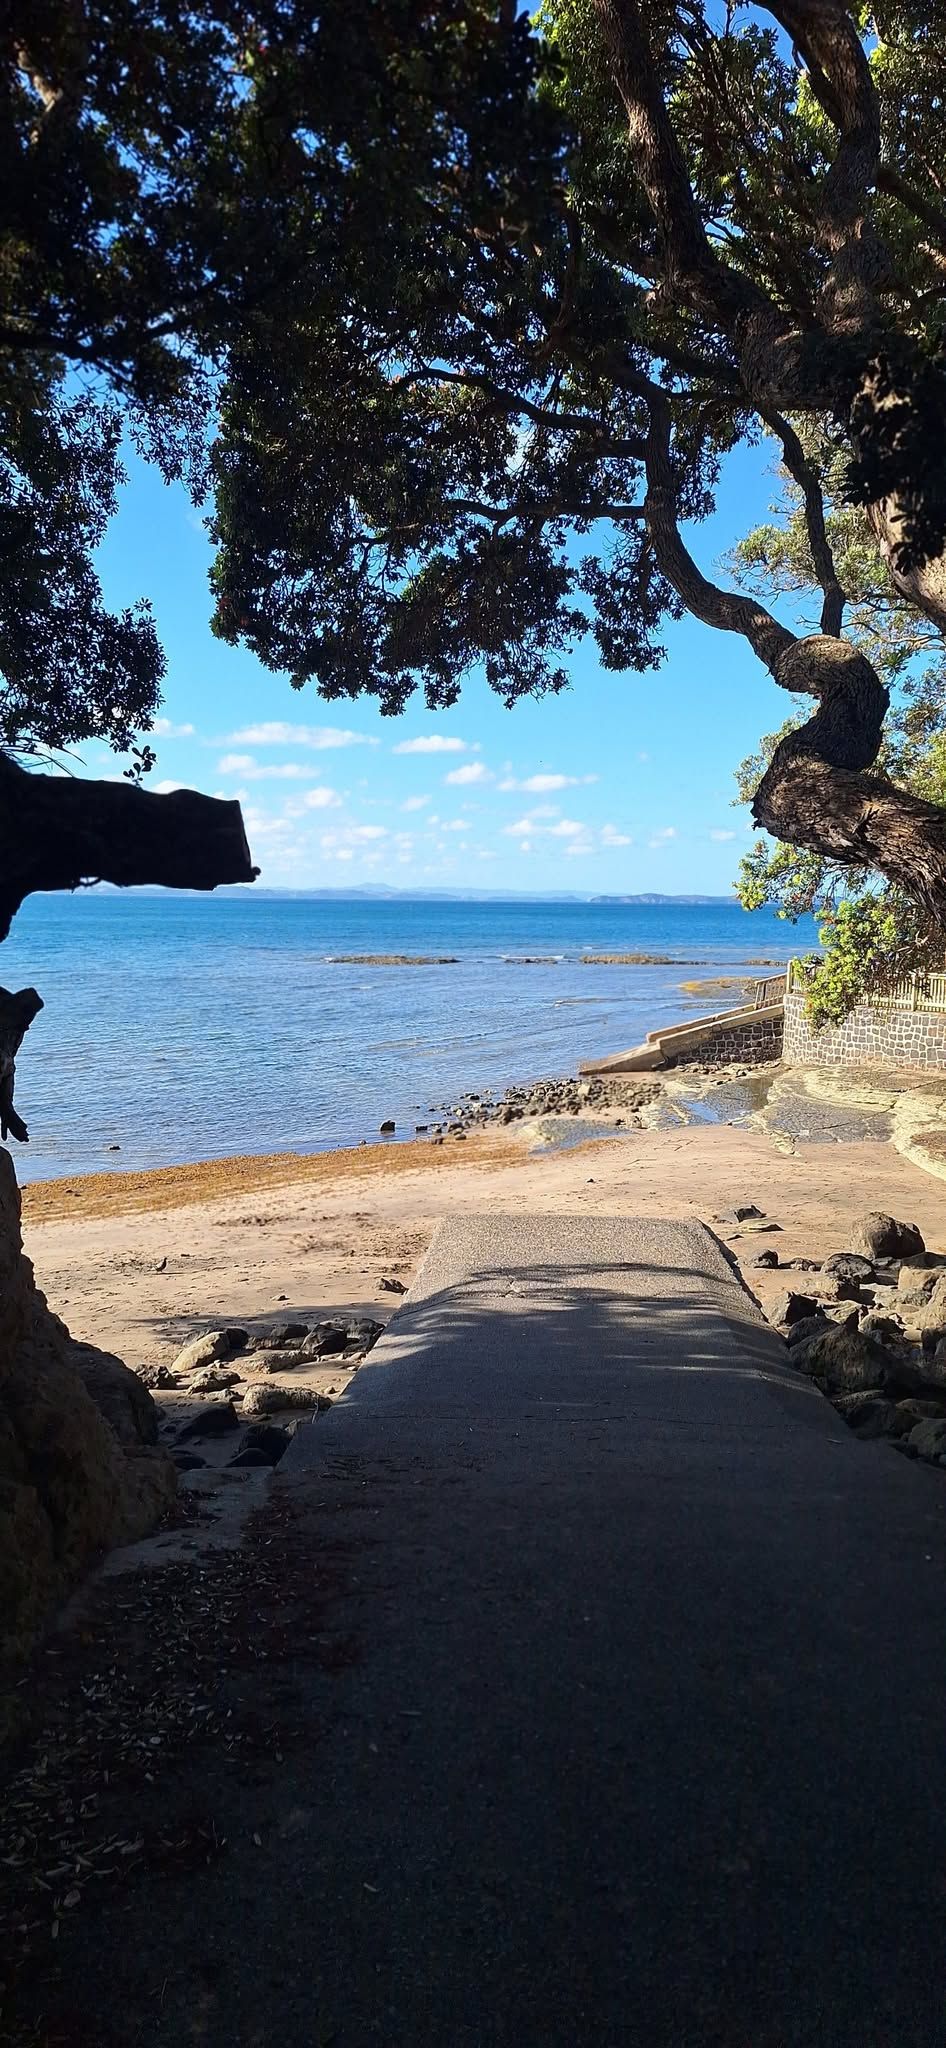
(179, 1028)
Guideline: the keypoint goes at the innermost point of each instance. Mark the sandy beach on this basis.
(138, 1263)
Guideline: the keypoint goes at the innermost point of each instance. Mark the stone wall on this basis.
(867, 1037)
(752, 1042)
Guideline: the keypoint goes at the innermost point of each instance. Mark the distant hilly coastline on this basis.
(378, 893)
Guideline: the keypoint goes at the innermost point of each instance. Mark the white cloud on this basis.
(567, 828)
(722, 835)
(165, 729)
(610, 836)
(431, 743)
(263, 771)
(538, 785)
(278, 734)
(660, 838)
(579, 847)
(415, 803)
(455, 825)
(156, 788)
(321, 799)
(472, 771)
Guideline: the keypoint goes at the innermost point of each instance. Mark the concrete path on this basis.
(646, 1743)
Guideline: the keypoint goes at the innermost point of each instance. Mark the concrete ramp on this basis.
(634, 1736)
(516, 1322)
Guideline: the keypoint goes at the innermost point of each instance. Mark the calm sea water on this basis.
(183, 1028)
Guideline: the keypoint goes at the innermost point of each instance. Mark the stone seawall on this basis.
(867, 1037)
(750, 1042)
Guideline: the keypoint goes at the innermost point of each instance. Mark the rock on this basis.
(324, 1340)
(392, 1286)
(118, 1394)
(270, 1438)
(746, 1211)
(252, 1458)
(283, 1334)
(883, 1329)
(387, 1126)
(69, 1488)
(848, 1266)
(215, 1420)
(156, 1376)
(829, 1287)
(844, 1361)
(871, 1416)
(928, 1438)
(931, 1317)
(189, 1461)
(281, 1361)
(792, 1308)
(769, 1259)
(364, 1331)
(267, 1400)
(205, 1350)
(802, 1266)
(882, 1237)
(917, 1280)
(809, 1326)
(919, 1410)
(212, 1381)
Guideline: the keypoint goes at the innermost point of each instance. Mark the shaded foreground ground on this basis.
(582, 1682)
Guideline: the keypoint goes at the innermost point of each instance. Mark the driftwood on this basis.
(57, 831)
(16, 1015)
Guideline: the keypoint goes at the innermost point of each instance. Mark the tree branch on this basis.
(512, 402)
(688, 258)
(798, 466)
(889, 180)
(827, 37)
(57, 832)
(727, 610)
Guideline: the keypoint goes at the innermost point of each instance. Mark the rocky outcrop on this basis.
(79, 1470)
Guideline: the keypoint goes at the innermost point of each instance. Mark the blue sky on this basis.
(623, 784)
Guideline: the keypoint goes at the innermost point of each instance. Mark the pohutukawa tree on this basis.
(476, 308)
(554, 272)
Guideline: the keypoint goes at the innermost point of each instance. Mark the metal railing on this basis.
(915, 992)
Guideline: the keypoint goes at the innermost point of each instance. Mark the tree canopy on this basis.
(479, 305)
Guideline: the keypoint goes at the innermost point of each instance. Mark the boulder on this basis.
(802, 1266)
(809, 1326)
(69, 1486)
(324, 1340)
(118, 1394)
(216, 1419)
(917, 1280)
(212, 1381)
(364, 1331)
(882, 1237)
(766, 1259)
(843, 1361)
(281, 1335)
(792, 1308)
(928, 1438)
(206, 1349)
(849, 1266)
(270, 1438)
(268, 1400)
(871, 1416)
(931, 1317)
(252, 1458)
